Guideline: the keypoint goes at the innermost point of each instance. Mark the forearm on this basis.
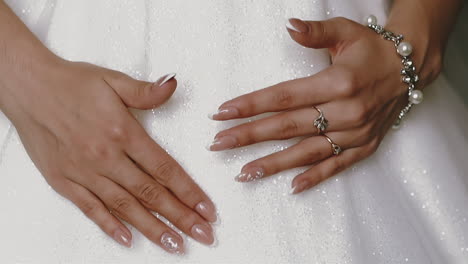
(426, 24)
(23, 58)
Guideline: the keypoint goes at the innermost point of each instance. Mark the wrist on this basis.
(427, 51)
(23, 76)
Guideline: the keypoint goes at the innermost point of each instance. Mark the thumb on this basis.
(141, 94)
(321, 34)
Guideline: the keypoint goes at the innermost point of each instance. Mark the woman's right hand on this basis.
(74, 122)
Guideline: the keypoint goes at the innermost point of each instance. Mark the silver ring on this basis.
(321, 123)
(335, 148)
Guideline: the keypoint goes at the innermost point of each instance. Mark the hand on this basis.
(76, 127)
(361, 94)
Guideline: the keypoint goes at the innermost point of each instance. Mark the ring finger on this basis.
(123, 205)
(157, 198)
(286, 125)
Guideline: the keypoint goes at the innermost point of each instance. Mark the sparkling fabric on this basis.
(406, 204)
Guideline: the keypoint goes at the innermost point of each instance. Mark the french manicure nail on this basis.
(203, 234)
(207, 211)
(250, 175)
(163, 80)
(224, 113)
(297, 25)
(122, 238)
(223, 143)
(172, 243)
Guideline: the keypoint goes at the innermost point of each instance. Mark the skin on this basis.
(361, 93)
(74, 122)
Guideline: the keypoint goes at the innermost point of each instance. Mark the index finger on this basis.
(317, 89)
(164, 169)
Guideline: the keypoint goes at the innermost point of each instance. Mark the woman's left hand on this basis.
(361, 94)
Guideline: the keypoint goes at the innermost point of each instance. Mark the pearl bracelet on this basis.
(410, 77)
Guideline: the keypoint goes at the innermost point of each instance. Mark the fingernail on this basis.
(224, 113)
(172, 243)
(163, 80)
(297, 25)
(222, 143)
(207, 211)
(122, 238)
(250, 175)
(299, 187)
(203, 234)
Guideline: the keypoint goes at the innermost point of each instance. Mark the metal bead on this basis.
(416, 97)
(408, 63)
(405, 49)
(371, 20)
(403, 72)
(406, 79)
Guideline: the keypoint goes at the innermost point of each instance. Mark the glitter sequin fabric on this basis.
(406, 204)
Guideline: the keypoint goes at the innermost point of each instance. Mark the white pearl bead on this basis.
(416, 97)
(405, 49)
(372, 20)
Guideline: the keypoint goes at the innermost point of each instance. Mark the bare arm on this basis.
(74, 122)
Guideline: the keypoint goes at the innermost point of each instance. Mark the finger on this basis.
(165, 170)
(140, 94)
(95, 210)
(332, 166)
(322, 34)
(123, 205)
(158, 199)
(341, 115)
(306, 152)
(330, 84)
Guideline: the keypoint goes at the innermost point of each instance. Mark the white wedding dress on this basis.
(406, 204)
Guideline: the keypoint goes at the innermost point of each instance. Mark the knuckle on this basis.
(97, 151)
(311, 153)
(164, 171)
(360, 114)
(347, 83)
(288, 128)
(338, 166)
(149, 193)
(118, 133)
(321, 31)
(89, 208)
(120, 204)
(283, 98)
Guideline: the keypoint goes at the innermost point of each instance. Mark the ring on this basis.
(321, 123)
(335, 148)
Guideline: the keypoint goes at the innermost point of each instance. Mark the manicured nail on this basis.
(250, 175)
(172, 243)
(299, 187)
(222, 143)
(203, 234)
(207, 211)
(123, 238)
(163, 80)
(224, 113)
(297, 25)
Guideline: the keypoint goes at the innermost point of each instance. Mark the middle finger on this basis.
(295, 123)
(157, 198)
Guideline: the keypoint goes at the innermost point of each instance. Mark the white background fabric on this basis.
(406, 204)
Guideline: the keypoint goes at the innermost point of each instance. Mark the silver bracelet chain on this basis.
(410, 76)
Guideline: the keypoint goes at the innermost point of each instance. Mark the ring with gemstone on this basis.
(321, 123)
(335, 148)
